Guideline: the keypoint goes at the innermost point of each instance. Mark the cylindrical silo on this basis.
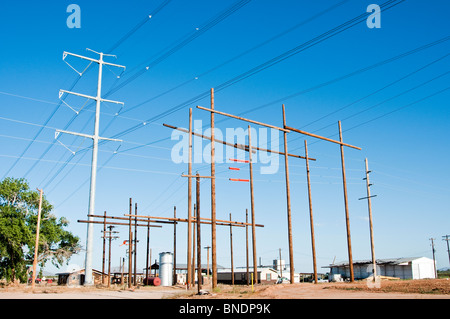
(165, 268)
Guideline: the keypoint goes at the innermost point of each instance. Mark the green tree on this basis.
(18, 217)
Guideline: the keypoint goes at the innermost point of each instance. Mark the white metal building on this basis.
(403, 268)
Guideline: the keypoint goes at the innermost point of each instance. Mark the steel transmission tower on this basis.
(95, 138)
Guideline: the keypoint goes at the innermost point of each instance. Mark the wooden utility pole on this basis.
(288, 201)
(213, 111)
(369, 205)
(446, 238)
(135, 244)
(341, 144)
(146, 256)
(252, 203)
(199, 253)
(130, 245)
(313, 241)
(198, 221)
(110, 237)
(231, 253)
(434, 257)
(193, 245)
(104, 249)
(189, 270)
(347, 218)
(174, 246)
(246, 246)
(36, 244)
(213, 198)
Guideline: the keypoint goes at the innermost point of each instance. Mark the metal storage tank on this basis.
(166, 268)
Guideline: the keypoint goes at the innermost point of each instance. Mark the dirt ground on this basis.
(387, 289)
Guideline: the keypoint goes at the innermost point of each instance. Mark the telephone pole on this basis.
(434, 258)
(446, 238)
(95, 138)
(369, 204)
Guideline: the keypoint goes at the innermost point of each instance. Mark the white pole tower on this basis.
(90, 228)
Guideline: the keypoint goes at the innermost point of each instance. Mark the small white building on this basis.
(402, 268)
(265, 276)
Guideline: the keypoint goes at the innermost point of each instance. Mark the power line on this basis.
(177, 46)
(342, 27)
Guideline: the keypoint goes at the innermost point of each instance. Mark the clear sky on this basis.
(388, 86)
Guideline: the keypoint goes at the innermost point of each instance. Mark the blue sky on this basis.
(392, 101)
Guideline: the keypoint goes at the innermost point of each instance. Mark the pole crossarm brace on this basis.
(113, 223)
(88, 136)
(89, 97)
(321, 137)
(194, 220)
(126, 218)
(244, 119)
(65, 54)
(195, 176)
(367, 197)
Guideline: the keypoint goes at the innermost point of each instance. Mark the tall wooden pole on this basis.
(109, 255)
(104, 248)
(347, 219)
(246, 246)
(193, 245)
(199, 252)
(313, 241)
(213, 198)
(135, 244)
(36, 243)
(174, 246)
(130, 245)
(189, 270)
(434, 257)
(369, 204)
(231, 251)
(146, 256)
(288, 200)
(252, 203)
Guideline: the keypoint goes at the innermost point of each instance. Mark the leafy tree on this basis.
(18, 217)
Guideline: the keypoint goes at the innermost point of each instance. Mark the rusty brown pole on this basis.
(193, 244)
(199, 250)
(231, 252)
(347, 219)
(246, 246)
(104, 248)
(135, 243)
(174, 246)
(252, 203)
(313, 241)
(213, 198)
(148, 248)
(288, 201)
(189, 271)
(130, 245)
